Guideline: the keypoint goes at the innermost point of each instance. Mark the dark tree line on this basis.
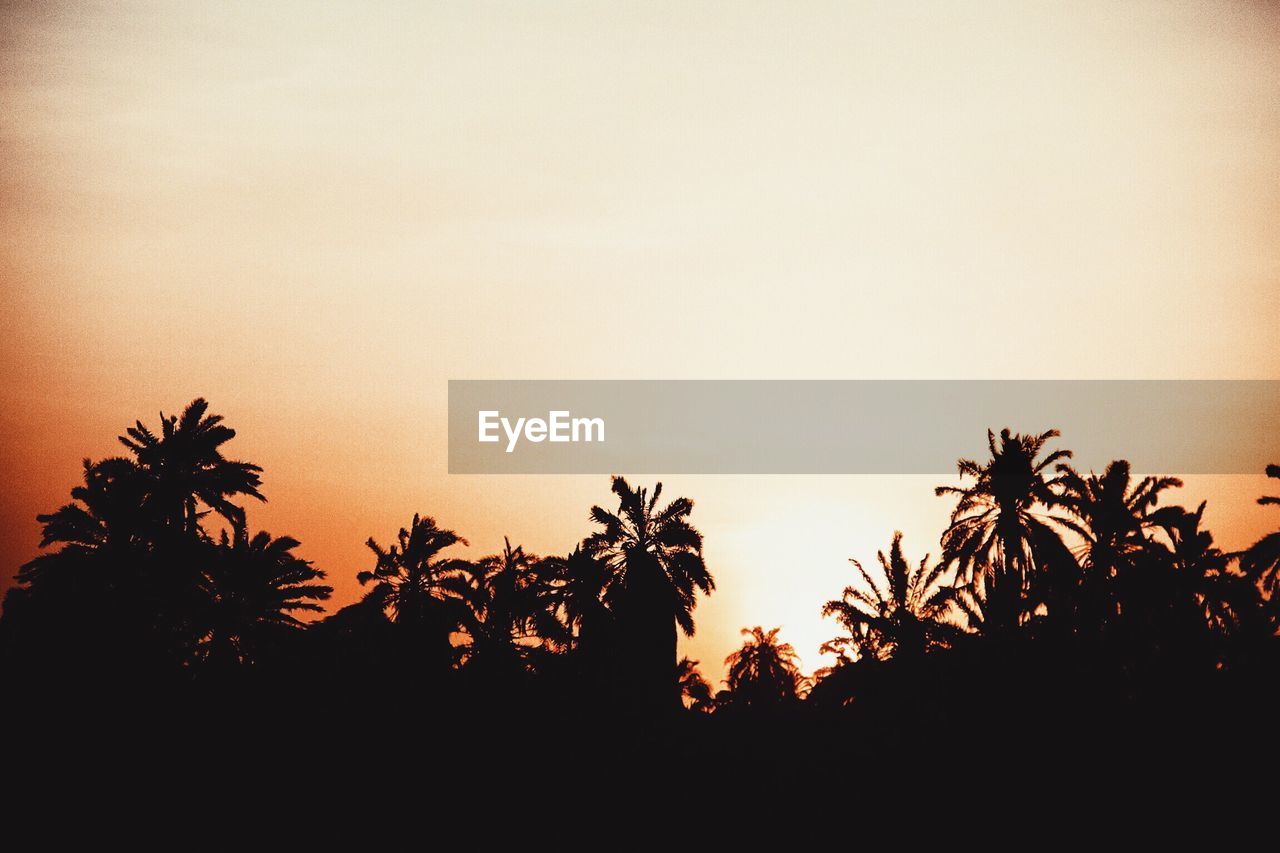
(1048, 579)
(1086, 568)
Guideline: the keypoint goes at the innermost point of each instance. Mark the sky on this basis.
(316, 215)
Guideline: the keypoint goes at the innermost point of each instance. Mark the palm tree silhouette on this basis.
(255, 585)
(1262, 560)
(1113, 517)
(185, 468)
(997, 537)
(505, 606)
(902, 612)
(764, 672)
(654, 557)
(137, 591)
(106, 512)
(1201, 574)
(407, 583)
(1111, 514)
(575, 588)
(102, 598)
(694, 689)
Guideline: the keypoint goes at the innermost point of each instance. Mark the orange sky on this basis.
(315, 217)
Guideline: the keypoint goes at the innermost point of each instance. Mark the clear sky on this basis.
(316, 215)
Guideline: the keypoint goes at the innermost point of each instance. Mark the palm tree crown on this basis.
(764, 671)
(505, 605)
(904, 609)
(694, 689)
(575, 587)
(1203, 575)
(407, 576)
(105, 512)
(997, 535)
(255, 585)
(185, 467)
(646, 546)
(1110, 514)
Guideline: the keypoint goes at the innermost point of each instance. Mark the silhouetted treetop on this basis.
(901, 609)
(184, 466)
(1262, 561)
(1000, 535)
(764, 672)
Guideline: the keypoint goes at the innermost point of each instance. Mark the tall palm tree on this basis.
(1262, 561)
(654, 557)
(407, 583)
(185, 468)
(902, 611)
(255, 585)
(1000, 536)
(764, 672)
